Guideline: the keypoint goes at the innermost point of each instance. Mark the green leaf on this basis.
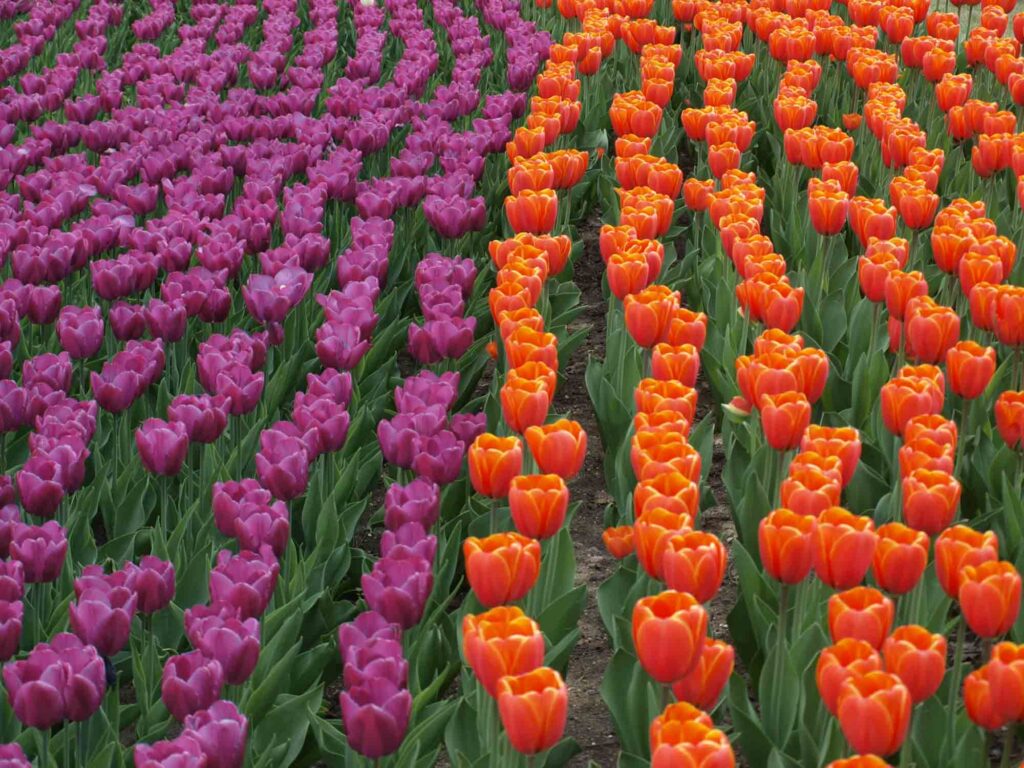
(779, 694)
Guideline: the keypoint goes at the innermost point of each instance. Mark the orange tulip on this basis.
(863, 613)
(668, 727)
(526, 345)
(809, 491)
(958, 547)
(874, 712)
(653, 395)
(970, 367)
(922, 453)
(493, 462)
(703, 685)
(694, 562)
(534, 371)
(870, 217)
(983, 708)
(524, 403)
(931, 426)
(844, 172)
(558, 448)
(651, 533)
(648, 313)
(784, 418)
(931, 330)
(669, 632)
(538, 504)
(786, 544)
(533, 211)
(628, 272)
(681, 363)
(695, 744)
(501, 641)
(838, 663)
(697, 193)
(828, 209)
(686, 327)
(841, 442)
(619, 541)
(501, 568)
(990, 597)
(918, 658)
(666, 456)
(723, 157)
(530, 173)
(844, 544)
(631, 144)
(1009, 412)
(1006, 677)
(859, 761)
(632, 113)
(533, 708)
(903, 398)
(930, 499)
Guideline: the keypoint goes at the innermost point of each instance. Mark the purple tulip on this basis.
(162, 446)
(383, 660)
(340, 345)
(43, 304)
(221, 731)
(245, 581)
(376, 716)
(40, 486)
(368, 628)
(204, 417)
(440, 270)
(269, 298)
(468, 426)
(259, 525)
(190, 682)
(6, 359)
(115, 388)
(439, 457)
(103, 618)
(410, 538)
(12, 580)
(13, 756)
(152, 580)
(323, 414)
(185, 751)
(232, 642)
(398, 588)
(13, 401)
(11, 616)
(399, 437)
(40, 549)
(229, 497)
(166, 320)
(241, 386)
(50, 369)
(6, 490)
(127, 321)
(437, 340)
(337, 385)
(282, 464)
(80, 330)
(416, 502)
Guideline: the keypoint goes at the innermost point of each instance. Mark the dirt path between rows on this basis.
(590, 722)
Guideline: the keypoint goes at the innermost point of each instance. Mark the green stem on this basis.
(44, 755)
(954, 683)
(906, 751)
(1008, 735)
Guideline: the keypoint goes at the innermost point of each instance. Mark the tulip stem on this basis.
(44, 752)
(1008, 735)
(954, 683)
(80, 733)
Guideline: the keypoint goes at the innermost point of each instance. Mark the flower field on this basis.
(511, 383)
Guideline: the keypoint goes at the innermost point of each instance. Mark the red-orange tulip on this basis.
(930, 499)
(990, 597)
(694, 562)
(558, 448)
(533, 211)
(651, 533)
(931, 330)
(619, 541)
(784, 418)
(695, 744)
(680, 363)
(809, 491)
(704, 683)
(842, 442)
(501, 641)
(874, 712)
(1009, 412)
(970, 367)
(533, 708)
(786, 544)
(903, 398)
(493, 462)
(958, 547)
(838, 663)
(844, 544)
(501, 568)
(983, 708)
(669, 632)
(538, 504)
(900, 558)
(862, 613)
(524, 403)
(1006, 676)
(918, 658)
(649, 312)
(859, 761)
(668, 727)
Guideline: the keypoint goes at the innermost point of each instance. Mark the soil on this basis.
(590, 722)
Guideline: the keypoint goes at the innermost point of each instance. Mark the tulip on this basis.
(862, 613)
(669, 632)
(784, 418)
(859, 761)
(918, 658)
(838, 663)
(1009, 413)
(12, 615)
(524, 404)
(930, 500)
(501, 641)
(533, 708)
(204, 417)
(786, 542)
(810, 491)
(233, 643)
(493, 462)
(13, 756)
(152, 580)
(40, 549)
(903, 398)
(419, 502)
(162, 446)
(104, 618)
(171, 753)
(368, 629)
(970, 367)
(40, 486)
(502, 567)
(538, 504)
(900, 558)
(221, 732)
(1005, 674)
(990, 597)
(695, 744)
(874, 712)
(558, 448)
(398, 588)
(244, 581)
(618, 541)
(983, 707)
(376, 717)
(80, 330)
(844, 544)
(694, 562)
(190, 682)
(958, 547)
(667, 727)
(648, 313)
(703, 685)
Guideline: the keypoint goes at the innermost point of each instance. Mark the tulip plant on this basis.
(289, 293)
